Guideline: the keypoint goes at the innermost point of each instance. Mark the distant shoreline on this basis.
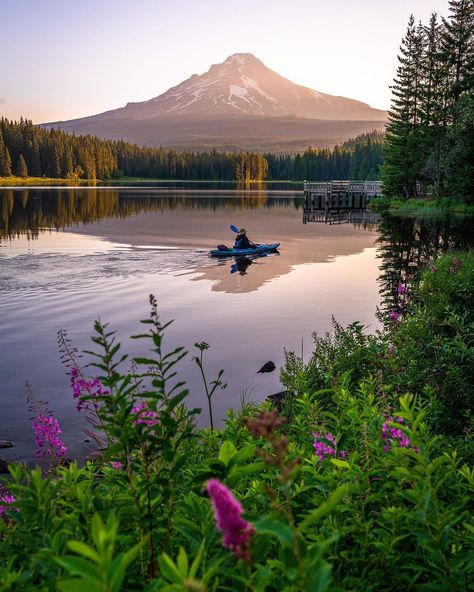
(28, 182)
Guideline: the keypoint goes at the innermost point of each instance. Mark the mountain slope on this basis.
(230, 100)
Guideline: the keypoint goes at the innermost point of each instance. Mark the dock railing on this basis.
(367, 188)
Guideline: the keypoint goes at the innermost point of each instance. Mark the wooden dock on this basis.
(341, 194)
(340, 216)
(340, 202)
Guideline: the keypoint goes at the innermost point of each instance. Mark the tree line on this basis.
(27, 150)
(430, 134)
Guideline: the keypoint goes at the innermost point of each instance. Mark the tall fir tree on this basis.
(400, 171)
(21, 168)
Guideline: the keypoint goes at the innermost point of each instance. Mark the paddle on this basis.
(234, 229)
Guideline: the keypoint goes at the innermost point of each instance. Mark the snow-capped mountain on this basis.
(243, 86)
(239, 91)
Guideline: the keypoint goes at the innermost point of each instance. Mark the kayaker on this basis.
(242, 241)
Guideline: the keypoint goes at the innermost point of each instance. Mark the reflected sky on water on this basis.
(68, 257)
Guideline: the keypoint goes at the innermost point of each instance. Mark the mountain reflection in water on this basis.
(68, 256)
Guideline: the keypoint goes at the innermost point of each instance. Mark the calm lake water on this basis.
(69, 256)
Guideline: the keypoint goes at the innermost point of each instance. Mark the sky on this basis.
(61, 59)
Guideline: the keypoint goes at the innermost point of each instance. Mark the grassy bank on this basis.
(50, 181)
(361, 482)
(421, 206)
(40, 181)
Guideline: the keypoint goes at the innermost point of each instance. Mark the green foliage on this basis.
(429, 134)
(371, 513)
(96, 567)
(56, 154)
(430, 353)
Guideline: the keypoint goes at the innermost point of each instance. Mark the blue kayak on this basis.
(242, 252)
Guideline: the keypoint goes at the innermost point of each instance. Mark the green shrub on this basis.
(361, 487)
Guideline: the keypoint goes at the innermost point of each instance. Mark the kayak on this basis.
(242, 252)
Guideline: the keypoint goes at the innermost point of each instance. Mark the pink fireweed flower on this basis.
(83, 390)
(47, 438)
(323, 449)
(395, 316)
(6, 499)
(402, 289)
(116, 464)
(229, 521)
(145, 415)
(394, 436)
(434, 269)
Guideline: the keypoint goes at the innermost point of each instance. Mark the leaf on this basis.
(168, 568)
(182, 563)
(78, 566)
(326, 506)
(196, 562)
(78, 585)
(276, 528)
(320, 576)
(238, 472)
(119, 567)
(83, 549)
(227, 451)
(242, 455)
(342, 464)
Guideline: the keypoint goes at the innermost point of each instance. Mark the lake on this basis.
(70, 256)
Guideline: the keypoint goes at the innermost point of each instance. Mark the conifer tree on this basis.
(400, 169)
(5, 162)
(21, 168)
(458, 47)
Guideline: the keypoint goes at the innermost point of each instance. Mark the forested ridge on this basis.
(429, 144)
(30, 151)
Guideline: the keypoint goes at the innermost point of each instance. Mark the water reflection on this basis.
(28, 211)
(113, 247)
(407, 244)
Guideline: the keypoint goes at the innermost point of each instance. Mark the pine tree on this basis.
(5, 162)
(21, 168)
(400, 169)
(458, 48)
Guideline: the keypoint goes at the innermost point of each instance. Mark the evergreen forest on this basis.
(27, 150)
(429, 143)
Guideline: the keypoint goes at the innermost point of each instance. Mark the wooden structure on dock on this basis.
(339, 202)
(341, 216)
(341, 194)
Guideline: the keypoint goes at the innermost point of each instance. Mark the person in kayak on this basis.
(242, 241)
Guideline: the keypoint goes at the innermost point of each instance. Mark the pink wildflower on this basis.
(402, 289)
(145, 415)
(6, 499)
(85, 390)
(116, 464)
(434, 269)
(47, 438)
(394, 436)
(323, 449)
(395, 316)
(452, 270)
(456, 263)
(229, 521)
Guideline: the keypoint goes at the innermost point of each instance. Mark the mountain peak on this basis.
(241, 58)
(240, 91)
(243, 86)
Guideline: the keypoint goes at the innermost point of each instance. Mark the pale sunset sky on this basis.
(62, 59)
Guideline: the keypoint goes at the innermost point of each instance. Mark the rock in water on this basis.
(267, 367)
(6, 444)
